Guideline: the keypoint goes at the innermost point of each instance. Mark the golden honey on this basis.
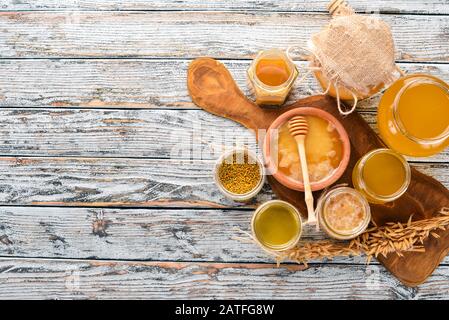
(381, 176)
(413, 116)
(276, 225)
(271, 76)
(272, 72)
(324, 150)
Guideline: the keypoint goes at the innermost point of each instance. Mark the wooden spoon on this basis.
(299, 128)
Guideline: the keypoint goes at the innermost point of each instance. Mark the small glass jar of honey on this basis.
(343, 213)
(382, 175)
(413, 115)
(271, 76)
(276, 225)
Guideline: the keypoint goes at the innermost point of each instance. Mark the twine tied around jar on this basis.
(353, 56)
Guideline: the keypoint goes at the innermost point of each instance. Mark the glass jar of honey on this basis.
(343, 213)
(271, 76)
(413, 115)
(381, 175)
(276, 225)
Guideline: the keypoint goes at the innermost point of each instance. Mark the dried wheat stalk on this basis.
(391, 238)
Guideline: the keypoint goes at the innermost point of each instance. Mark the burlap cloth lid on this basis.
(354, 51)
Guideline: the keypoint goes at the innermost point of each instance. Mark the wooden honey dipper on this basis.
(299, 128)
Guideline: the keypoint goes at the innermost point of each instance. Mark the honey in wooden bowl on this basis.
(324, 150)
(327, 150)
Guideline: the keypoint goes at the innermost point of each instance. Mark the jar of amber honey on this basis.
(381, 175)
(271, 76)
(413, 115)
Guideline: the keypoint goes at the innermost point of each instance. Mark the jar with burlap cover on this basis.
(354, 56)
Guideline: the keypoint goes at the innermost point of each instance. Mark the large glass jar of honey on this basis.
(271, 76)
(413, 115)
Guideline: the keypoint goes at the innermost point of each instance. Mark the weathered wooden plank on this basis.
(193, 34)
(53, 279)
(137, 234)
(98, 182)
(120, 83)
(391, 6)
(106, 182)
(177, 134)
(155, 133)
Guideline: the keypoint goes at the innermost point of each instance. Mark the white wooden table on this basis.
(95, 199)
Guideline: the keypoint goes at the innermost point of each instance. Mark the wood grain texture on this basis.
(53, 279)
(133, 234)
(109, 182)
(391, 6)
(165, 134)
(192, 34)
(137, 234)
(65, 232)
(212, 88)
(124, 182)
(133, 83)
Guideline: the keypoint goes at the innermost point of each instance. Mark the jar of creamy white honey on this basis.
(343, 213)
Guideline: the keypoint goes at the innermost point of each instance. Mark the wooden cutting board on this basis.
(212, 88)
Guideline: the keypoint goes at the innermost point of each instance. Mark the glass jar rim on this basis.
(240, 196)
(397, 118)
(293, 74)
(287, 245)
(374, 195)
(338, 190)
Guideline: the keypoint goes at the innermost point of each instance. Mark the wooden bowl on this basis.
(292, 183)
